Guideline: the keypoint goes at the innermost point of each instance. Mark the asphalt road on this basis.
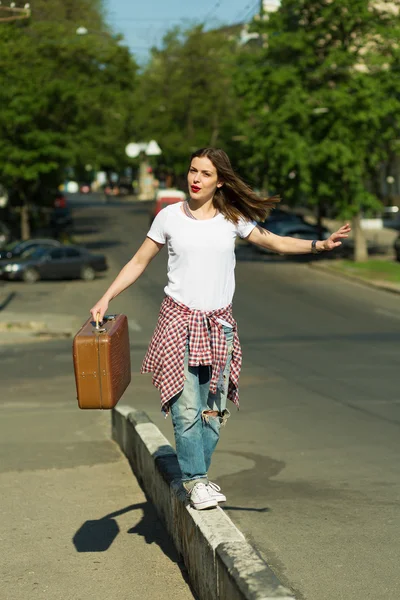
(310, 463)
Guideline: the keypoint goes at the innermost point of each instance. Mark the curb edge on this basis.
(354, 278)
(221, 564)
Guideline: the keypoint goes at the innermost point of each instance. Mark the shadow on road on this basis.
(85, 230)
(100, 244)
(98, 535)
(247, 509)
(4, 303)
(50, 283)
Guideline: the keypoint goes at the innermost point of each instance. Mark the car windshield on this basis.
(35, 252)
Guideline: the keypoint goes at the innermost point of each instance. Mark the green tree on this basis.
(185, 97)
(322, 102)
(65, 98)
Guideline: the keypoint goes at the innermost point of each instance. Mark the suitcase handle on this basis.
(98, 328)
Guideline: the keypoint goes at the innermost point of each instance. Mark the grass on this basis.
(372, 270)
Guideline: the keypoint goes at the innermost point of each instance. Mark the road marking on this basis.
(387, 313)
(134, 325)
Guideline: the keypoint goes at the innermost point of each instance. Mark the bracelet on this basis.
(314, 249)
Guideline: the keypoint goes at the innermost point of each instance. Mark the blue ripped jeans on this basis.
(196, 432)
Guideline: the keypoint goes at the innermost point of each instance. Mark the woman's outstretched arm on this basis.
(128, 275)
(288, 245)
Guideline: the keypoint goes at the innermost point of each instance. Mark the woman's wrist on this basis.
(317, 246)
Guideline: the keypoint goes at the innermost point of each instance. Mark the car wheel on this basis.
(88, 273)
(30, 276)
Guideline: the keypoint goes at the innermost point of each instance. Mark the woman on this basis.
(195, 353)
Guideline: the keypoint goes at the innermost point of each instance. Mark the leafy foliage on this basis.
(322, 100)
(64, 98)
(185, 95)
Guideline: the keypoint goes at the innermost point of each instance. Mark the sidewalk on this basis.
(75, 523)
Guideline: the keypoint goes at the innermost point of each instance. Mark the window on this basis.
(56, 254)
(72, 253)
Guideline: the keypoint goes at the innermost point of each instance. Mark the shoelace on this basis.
(214, 486)
(198, 486)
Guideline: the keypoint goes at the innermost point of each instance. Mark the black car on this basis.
(277, 214)
(17, 248)
(300, 230)
(65, 262)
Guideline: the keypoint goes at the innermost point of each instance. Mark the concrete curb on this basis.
(394, 289)
(221, 563)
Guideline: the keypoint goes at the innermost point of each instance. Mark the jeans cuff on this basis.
(189, 484)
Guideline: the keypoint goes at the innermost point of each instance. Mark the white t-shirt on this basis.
(201, 256)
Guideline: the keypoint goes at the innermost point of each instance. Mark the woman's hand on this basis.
(333, 240)
(99, 308)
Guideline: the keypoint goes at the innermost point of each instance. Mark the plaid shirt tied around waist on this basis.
(207, 346)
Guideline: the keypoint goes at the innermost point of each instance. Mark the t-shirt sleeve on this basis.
(244, 227)
(157, 230)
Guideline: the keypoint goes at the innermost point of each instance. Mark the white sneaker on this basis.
(201, 498)
(215, 492)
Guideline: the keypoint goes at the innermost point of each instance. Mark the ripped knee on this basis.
(222, 416)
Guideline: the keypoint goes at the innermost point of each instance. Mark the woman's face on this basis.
(202, 179)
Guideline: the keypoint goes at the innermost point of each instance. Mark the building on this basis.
(266, 7)
(269, 6)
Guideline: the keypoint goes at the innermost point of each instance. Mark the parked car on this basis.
(63, 262)
(165, 198)
(277, 214)
(300, 230)
(15, 249)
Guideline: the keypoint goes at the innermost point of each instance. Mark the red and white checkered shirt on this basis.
(207, 346)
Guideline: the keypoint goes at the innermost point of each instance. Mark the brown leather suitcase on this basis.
(102, 362)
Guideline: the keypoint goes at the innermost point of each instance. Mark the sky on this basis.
(143, 23)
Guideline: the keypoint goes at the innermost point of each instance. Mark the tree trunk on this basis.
(25, 227)
(360, 242)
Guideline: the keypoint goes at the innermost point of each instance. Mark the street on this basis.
(310, 463)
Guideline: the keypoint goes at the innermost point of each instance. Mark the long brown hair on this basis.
(235, 199)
